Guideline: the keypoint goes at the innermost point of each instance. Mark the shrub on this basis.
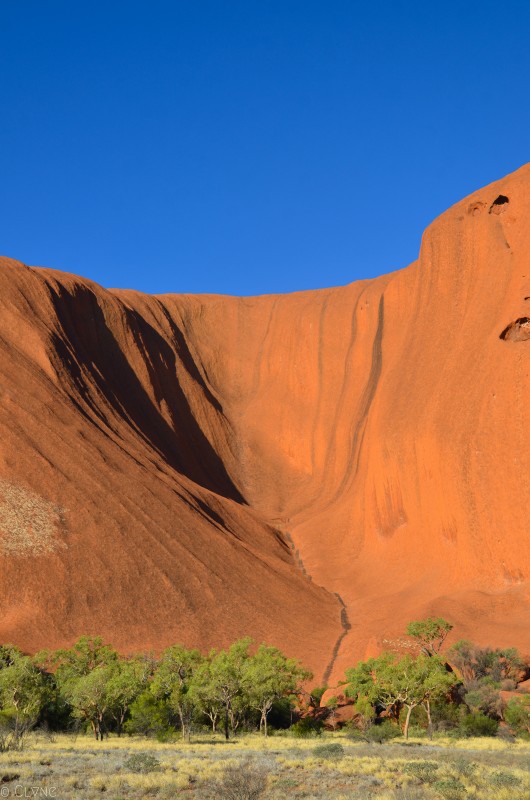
(315, 696)
(307, 727)
(476, 662)
(505, 734)
(465, 767)
(445, 715)
(417, 732)
(142, 762)
(517, 715)
(377, 733)
(13, 730)
(424, 771)
(244, 781)
(333, 751)
(450, 788)
(149, 717)
(503, 779)
(478, 725)
(485, 699)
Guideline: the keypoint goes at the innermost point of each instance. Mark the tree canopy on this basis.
(395, 682)
(430, 633)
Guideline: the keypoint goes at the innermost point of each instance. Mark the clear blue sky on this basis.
(250, 146)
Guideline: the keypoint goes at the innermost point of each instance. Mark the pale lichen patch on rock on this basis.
(28, 522)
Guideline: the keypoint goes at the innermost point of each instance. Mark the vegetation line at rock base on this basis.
(466, 691)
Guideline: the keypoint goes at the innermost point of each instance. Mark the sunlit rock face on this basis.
(313, 469)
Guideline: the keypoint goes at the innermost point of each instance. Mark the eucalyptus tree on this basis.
(206, 693)
(173, 680)
(83, 674)
(269, 676)
(127, 679)
(226, 684)
(397, 682)
(430, 633)
(23, 693)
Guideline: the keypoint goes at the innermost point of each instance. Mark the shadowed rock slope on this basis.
(313, 469)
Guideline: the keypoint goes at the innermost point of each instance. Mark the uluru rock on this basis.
(314, 469)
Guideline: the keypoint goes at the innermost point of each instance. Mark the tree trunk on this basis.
(407, 721)
(429, 718)
(185, 725)
(227, 732)
(234, 721)
(100, 726)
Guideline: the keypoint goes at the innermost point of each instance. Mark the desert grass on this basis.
(78, 767)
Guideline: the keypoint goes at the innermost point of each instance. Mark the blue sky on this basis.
(247, 147)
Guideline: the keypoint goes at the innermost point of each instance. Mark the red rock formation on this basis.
(161, 456)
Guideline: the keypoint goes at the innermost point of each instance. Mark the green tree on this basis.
(430, 633)
(361, 686)
(173, 680)
(393, 683)
(83, 656)
(89, 697)
(23, 694)
(128, 678)
(427, 682)
(226, 675)
(149, 716)
(517, 714)
(269, 676)
(205, 690)
(82, 674)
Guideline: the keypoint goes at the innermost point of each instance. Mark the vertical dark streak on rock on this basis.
(344, 619)
(346, 627)
(320, 380)
(367, 397)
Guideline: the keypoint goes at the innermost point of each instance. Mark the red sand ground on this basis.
(176, 468)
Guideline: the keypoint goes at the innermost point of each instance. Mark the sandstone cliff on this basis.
(313, 469)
